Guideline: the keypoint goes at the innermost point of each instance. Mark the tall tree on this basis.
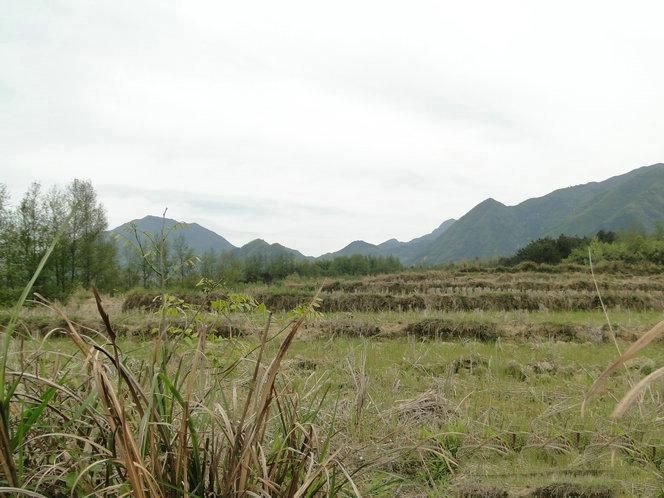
(7, 238)
(86, 243)
(56, 209)
(30, 231)
(183, 258)
(207, 265)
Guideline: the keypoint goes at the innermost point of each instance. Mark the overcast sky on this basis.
(317, 123)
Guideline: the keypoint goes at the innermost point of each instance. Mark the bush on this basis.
(9, 296)
(548, 250)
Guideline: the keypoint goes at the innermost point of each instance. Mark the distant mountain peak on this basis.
(199, 238)
(360, 243)
(256, 242)
(489, 203)
(259, 247)
(390, 244)
(154, 218)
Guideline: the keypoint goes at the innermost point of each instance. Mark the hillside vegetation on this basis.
(633, 200)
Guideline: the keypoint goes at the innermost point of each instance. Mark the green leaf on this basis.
(30, 416)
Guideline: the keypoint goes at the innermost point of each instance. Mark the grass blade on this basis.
(634, 392)
(633, 350)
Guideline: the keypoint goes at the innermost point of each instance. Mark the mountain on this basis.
(259, 247)
(433, 235)
(199, 238)
(632, 200)
(391, 244)
(494, 229)
(635, 199)
(409, 252)
(357, 247)
(402, 250)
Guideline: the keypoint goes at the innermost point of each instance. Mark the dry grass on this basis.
(568, 490)
(429, 404)
(448, 299)
(97, 422)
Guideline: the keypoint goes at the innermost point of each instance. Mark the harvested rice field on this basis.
(427, 384)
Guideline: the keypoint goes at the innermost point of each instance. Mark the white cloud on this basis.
(328, 122)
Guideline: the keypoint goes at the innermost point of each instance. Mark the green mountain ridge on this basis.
(490, 229)
(356, 247)
(201, 239)
(635, 199)
(261, 248)
(392, 247)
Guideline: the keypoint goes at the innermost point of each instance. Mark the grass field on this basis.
(426, 399)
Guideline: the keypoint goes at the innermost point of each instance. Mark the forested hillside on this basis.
(632, 200)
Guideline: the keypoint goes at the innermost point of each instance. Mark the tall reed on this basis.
(102, 422)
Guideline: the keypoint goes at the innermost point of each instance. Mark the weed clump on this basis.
(452, 330)
(470, 363)
(478, 491)
(569, 490)
(642, 364)
(517, 371)
(349, 328)
(429, 404)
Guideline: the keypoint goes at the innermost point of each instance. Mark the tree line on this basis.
(183, 268)
(632, 246)
(259, 268)
(552, 251)
(82, 255)
(87, 255)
